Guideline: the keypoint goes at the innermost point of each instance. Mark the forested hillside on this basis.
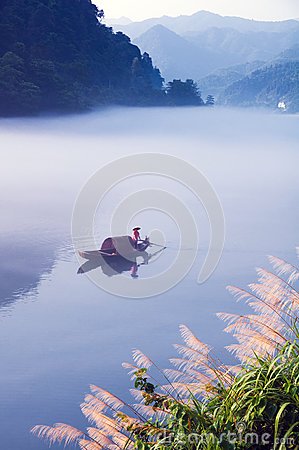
(218, 80)
(56, 55)
(268, 86)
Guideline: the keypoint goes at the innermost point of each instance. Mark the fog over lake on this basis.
(60, 332)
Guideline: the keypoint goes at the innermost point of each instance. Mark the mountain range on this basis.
(196, 51)
(177, 57)
(203, 20)
(225, 55)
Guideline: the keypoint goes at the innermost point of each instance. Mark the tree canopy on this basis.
(183, 93)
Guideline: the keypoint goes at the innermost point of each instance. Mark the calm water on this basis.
(59, 332)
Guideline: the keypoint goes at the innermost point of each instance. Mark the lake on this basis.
(60, 331)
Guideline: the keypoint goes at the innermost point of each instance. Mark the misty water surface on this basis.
(59, 332)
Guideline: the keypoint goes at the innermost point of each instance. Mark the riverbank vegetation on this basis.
(202, 403)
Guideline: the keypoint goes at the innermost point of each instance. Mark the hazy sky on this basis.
(252, 9)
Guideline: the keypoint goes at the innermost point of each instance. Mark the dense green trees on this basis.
(183, 93)
(57, 55)
(17, 93)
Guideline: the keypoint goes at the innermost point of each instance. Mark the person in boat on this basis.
(136, 236)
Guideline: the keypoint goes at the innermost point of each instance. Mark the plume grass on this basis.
(204, 397)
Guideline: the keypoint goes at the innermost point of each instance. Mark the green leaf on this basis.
(277, 419)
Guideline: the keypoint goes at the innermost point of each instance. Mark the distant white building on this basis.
(282, 106)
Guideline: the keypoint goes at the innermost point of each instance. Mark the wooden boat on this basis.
(123, 246)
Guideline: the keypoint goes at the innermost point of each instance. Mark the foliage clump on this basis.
(181, 93)
(203, 403)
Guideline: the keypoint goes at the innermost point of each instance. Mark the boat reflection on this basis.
(116, 265)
